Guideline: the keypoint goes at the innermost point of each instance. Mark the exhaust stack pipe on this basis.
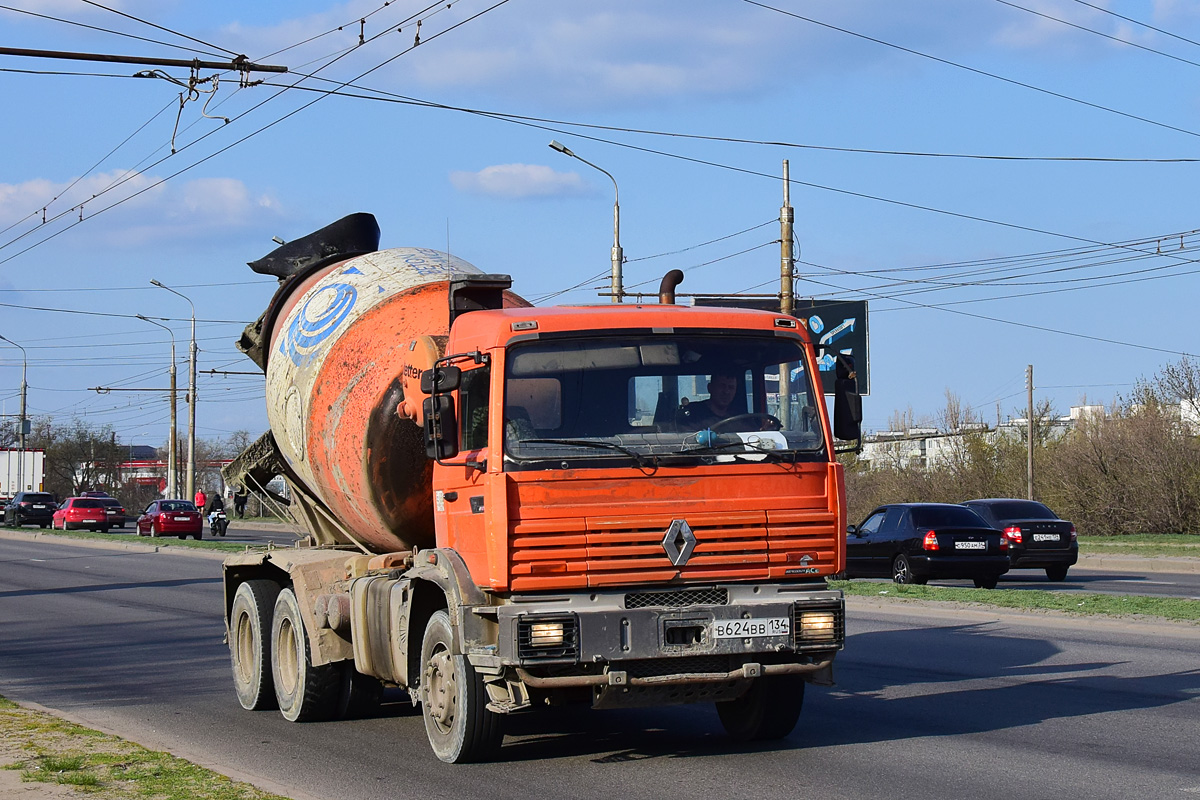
(666, 289)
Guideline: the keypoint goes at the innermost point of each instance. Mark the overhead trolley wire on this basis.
(247, 136)
(975, 70)
(112, 32)
(160, 27)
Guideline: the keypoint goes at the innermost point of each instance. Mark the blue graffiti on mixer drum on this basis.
(306, 334)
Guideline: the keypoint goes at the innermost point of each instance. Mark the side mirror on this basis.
(441, 427)
(440, 379)
(852, 530)
(847, 402)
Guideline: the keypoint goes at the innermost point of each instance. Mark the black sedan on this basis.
(1037, 538)
(914, 542)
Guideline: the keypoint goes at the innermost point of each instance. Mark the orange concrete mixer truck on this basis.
(510, 507)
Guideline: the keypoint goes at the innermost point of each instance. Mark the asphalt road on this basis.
(1097, 581)
(929, 704)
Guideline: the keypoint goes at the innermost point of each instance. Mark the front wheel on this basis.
(768, 710)
(1056, 573)
(305, 693)
(987, 582)
(249, 643)
(458, 723)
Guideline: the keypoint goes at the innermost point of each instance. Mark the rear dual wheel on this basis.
(249, 643)
(304, 692)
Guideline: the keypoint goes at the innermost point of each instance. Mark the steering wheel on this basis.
(766, 422)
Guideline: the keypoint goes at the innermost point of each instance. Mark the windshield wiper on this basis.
(750, 450)
(638, 458)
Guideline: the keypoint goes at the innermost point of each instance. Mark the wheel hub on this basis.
(440, 692)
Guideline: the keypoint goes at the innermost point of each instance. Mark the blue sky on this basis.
(1066, 250)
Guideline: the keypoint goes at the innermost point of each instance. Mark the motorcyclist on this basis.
(215, 504)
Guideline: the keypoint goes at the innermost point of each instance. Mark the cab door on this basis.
(460, 501)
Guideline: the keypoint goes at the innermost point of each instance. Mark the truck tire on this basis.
(305, 693)
(458, 723)
(249, 643)
(360, 694)
(768, 710)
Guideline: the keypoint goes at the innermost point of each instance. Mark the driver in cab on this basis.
(722, 390)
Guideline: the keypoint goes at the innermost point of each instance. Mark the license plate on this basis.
(751, 628)
(39, 506)
(970, 545)
(1045, 537)
(182, 519)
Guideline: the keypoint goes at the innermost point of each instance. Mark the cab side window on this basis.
(473, 408)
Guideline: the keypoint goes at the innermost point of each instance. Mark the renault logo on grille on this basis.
(679, 542)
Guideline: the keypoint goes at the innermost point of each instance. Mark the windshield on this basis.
(654, 399)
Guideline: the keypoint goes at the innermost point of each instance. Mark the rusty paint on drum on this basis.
(337, 356)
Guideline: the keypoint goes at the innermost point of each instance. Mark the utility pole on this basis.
(1029, 423)
(618, 255)
(172, 458)
(191, 462)
(787, 301)
(787, 217)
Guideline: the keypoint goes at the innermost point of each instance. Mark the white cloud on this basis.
(187, 209)
(519, 181)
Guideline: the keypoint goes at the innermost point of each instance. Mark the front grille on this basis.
(528, 648)
(678, 598)
(685, 665)
(818, 637)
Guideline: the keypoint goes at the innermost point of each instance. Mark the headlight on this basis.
(546, 634)
(818, 625)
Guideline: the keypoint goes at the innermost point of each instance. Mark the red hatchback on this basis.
(80, 512)
(171, 517)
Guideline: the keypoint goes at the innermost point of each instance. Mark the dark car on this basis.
(914, 542)
(30, 508)
(171, 517)
(115, 511)
(1037, 538)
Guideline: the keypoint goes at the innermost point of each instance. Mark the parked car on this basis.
(30, 508)
(1037, 538)
(171, 517)
(914, 542)
(81, 512)
(115, 511)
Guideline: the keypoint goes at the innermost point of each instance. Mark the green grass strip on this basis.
(1171, 608)
(161, 541)
(52, 750)
(1145, 545)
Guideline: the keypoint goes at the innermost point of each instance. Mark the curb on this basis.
(1135, 564)
(136, 547)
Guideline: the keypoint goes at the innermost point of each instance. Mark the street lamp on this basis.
(617, 255)
(172, 467)
(22, 423)
(191, 465)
